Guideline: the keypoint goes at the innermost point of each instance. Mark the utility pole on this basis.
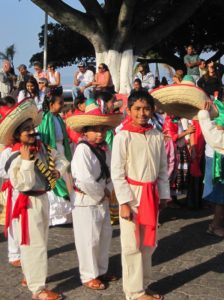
(45, 41)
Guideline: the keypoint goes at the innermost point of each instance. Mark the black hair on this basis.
(32, 80)
(80, 99)
(51, 64)
(142, 96)
(105, 96)
(145, 67)
(7, 101)
(49, 99)
(138, 81)
(104, 66)
(18, 131)
(164, 81)
(37, 63)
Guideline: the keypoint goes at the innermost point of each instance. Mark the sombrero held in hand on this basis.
(93, 117)
(12, 118)
(183, 100)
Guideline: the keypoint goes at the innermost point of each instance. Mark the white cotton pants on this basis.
(34, 255)
(13, 241)
(136, 260)
(93, 232)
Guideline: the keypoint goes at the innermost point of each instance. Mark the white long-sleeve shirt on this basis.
(213, 136)
(86, 169)
(141, 157)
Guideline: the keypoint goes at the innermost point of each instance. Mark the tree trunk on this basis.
(121, 68)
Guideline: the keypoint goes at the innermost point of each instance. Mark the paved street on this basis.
(189, 263)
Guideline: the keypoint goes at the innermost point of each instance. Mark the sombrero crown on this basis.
(12, 118)
(183, 100)
(93, 117)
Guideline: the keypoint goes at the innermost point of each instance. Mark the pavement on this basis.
(188, 263)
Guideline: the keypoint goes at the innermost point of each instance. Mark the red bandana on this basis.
(138, 129)
(34, 148)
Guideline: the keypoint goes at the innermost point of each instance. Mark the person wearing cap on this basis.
(91, 172)
(23, 76)
(83, 79)
(32, 169)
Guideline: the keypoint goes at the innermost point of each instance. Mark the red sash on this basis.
(147, 210)
(8, 186)
(20, 208)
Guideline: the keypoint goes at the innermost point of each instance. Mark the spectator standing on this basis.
(192, 61)
(146, 77)
(83, 82)
(7, 79)
(22, 77)
(202, 68)
(39, 72)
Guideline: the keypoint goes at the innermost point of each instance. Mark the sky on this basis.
(20, 23)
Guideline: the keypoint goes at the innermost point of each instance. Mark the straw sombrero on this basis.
(183, 100)
(12, 118)
(93, 117)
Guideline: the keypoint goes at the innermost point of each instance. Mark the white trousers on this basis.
(13, 241)
(93, 232)
(34, 255)
(136, 260)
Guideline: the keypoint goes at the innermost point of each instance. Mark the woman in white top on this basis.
(54, 79)
(32, 90)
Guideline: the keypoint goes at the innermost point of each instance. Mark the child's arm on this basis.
(163, 181)
(61, 163)
(213, 136)
(118, 173)
(85, 174)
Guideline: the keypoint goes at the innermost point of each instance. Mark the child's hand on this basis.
(191, 129)
(125, 212)
(55, 174)
(25, 152)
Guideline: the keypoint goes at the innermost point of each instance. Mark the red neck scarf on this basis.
(138, 129)
(33, 148)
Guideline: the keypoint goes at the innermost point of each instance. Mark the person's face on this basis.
(37, 69)
(41, 85)
(50, 68)
(6, 67)
(140, 68)
(57, 106)
(101, 69)
(140, 112)
(30, 87)
(82, 107)
(202, 65)
(137, 86)
(96, 134)
(211, 71)
(27, 130)
(82, 69)
(189, 50)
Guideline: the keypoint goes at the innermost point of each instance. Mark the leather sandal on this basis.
(95, 284)
(216, 231)
(47, 295)
(108, 277)
(151, 297)
(15, 263)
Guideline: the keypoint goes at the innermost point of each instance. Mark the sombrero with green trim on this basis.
(182, 100)
(12, 118)
(93, 117)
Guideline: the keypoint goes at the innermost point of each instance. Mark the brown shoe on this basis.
(153, 296)
(47, 295)
(15, 263)
(95, 284)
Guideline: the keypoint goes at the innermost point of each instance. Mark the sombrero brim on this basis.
(23, 111)
(182, 100)
(78, 122)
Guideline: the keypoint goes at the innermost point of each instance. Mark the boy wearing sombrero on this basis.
(140, 178)
(33, 169)
(91, 172)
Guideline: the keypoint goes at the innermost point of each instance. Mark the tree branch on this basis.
(93, 8)
(124, 24)
(152, 37)
(217, 55)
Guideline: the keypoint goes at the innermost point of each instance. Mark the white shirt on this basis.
(148, 80)
(86, 169)
(38, 100)
(85, 78)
